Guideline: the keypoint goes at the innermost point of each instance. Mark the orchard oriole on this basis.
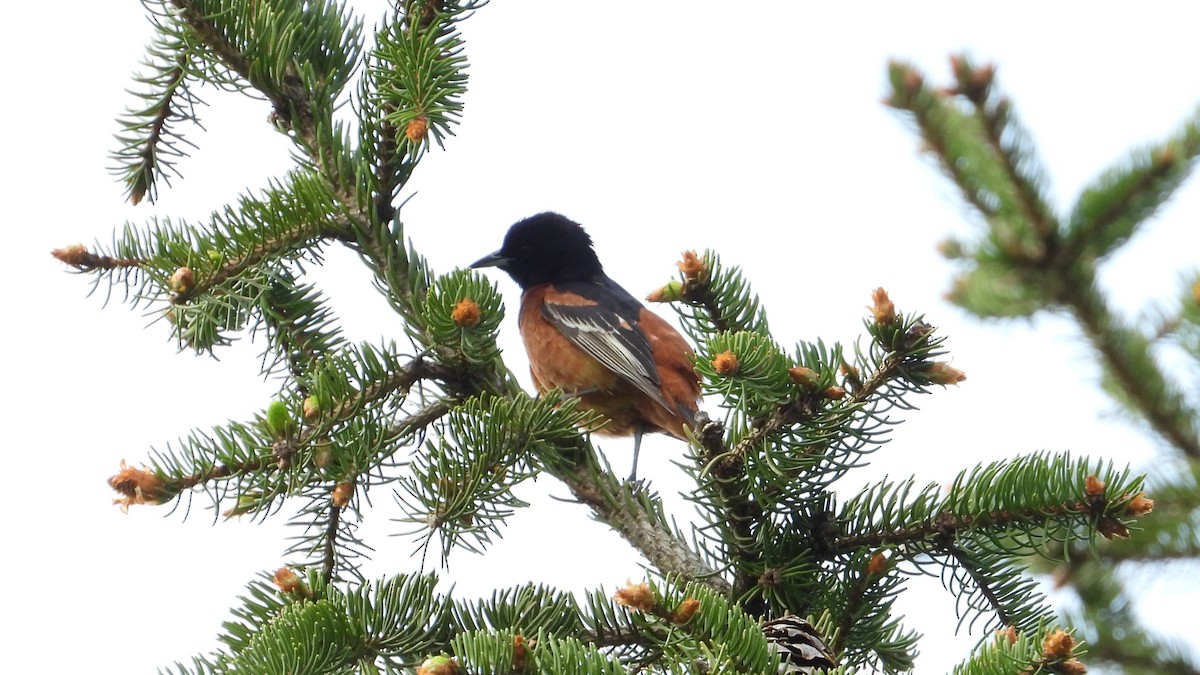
(590, 338)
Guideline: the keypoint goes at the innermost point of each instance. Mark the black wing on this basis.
(609, 331)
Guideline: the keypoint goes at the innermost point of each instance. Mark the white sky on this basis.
(757, 131)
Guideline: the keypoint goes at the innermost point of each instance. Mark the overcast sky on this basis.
(756, 131)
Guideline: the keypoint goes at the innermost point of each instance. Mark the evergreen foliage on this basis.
(442, 423)
(1029, 258)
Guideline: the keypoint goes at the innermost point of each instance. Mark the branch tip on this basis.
(137, 486)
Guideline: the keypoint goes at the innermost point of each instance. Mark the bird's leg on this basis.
(638, 429)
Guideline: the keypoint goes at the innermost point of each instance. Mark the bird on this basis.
(587, 336)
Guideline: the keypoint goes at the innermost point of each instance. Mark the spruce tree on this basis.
(774, 563)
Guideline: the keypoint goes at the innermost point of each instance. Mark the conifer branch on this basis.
(146, 153)
(399, 271)
(617, 639)
(931, 114)
(1128, 361)
(388, 176)
(1169, 535)
(292, 102)
(268, 249)
(149, 143)
(948, 525)
(851, 612)
(698, 293)
(1138, 188)
(612, 504)
(742, 513)
(716, 299)
(736, 490)
(329, 555)
(77, 256)
(727, 466)
(420, 368)
(219, 471)
(301, 330)
(421, 419)
(1111, 210)
(796, 412)
(1009, 143)
(141, 179)
(283, 450)
(1105, 215)
(213, 38)
(1159, 659)
(982, 581)
(1109, 623)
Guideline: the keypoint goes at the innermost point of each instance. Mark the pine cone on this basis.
(801, 646)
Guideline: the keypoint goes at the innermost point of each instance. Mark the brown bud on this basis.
(912, 81)
(882, 308)
(291, 583)
(945, 374)
(1140, 505)
(834, 393)
(417, 128)
(520, 652)
(286, 580)
(725, 363)
(685, 610)
(74, 255)
(1072, 667)
(342, 492)
(877, 564)
(850, 376)
(805, 377)
(848, 371)
(137, 192)
(183, 280)
(635, 596)
(692, 266)
(1058, 645)
(466, 313)
(137, 486)
(1164, 156)
(1008, 634)
(1093, 486)
(982, 76)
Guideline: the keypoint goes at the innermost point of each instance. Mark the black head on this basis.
(545, 248)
